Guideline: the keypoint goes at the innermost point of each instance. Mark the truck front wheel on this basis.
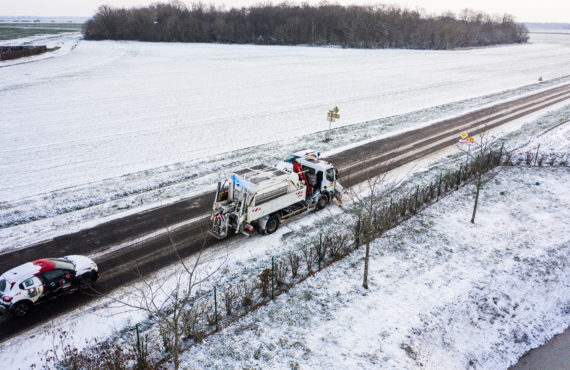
(322, 202)
(272, 225)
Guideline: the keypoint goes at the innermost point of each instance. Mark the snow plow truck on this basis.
(261, 197)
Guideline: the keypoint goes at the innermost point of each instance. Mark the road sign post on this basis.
(333, 115)
(466, 139)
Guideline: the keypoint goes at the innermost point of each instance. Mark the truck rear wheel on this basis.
(272, 225)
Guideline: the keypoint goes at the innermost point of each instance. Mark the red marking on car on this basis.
(256, 209)
(44, 264)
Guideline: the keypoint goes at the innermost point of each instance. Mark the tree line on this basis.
(372, 26)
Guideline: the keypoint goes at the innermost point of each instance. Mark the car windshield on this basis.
(63, 264)
(2, 285)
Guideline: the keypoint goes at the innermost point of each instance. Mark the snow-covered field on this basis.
(443, 292)
(106, 128)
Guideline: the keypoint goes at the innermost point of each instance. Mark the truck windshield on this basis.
(330, 174)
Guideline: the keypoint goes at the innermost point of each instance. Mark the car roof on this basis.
(28, 270)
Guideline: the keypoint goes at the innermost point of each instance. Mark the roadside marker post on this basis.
(536, 156)
(416, 203)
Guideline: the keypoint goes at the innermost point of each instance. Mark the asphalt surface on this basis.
(553, 355)
(138, 256)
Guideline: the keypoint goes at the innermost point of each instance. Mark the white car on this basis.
(41, 280)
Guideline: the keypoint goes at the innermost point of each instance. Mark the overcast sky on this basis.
(523, 10)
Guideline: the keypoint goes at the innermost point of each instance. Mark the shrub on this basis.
(294, 262)
(265, 282)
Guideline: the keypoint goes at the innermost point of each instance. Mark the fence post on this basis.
(139, 346)
(358, 233)
(439, 187)
(272, 276)
(320, 249)
(536, 156)
(216, 307)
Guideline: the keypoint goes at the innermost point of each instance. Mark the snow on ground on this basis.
(443, 294)
(432, 293)
(556, 139)
(115, 127)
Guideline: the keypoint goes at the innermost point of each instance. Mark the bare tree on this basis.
(366, 201)
(481, 159)
(171, 301)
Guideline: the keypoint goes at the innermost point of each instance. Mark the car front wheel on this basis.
(21, 309)
(86, 281)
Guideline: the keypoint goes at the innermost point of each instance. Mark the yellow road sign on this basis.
(464, 134)
(336, 109)
(333, 115)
